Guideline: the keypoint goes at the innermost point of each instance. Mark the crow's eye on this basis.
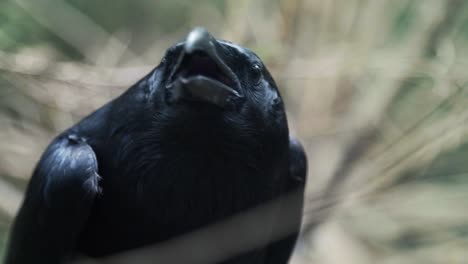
(257, 73)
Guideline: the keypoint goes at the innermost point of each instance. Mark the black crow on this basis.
(202, 137)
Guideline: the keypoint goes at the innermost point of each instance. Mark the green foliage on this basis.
(403, 21)
(17, 28)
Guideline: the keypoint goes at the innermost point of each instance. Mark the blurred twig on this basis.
(10, 198)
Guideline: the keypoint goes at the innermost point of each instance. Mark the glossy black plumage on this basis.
(164, 159)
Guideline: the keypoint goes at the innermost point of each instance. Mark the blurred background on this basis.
(376, 91)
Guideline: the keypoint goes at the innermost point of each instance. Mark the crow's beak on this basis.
(199, 39)
(201, 75)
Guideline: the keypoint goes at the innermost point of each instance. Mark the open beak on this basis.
(201, 75)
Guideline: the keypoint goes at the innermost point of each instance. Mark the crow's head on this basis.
(207, 70)
(209, 114)
(206, 88)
